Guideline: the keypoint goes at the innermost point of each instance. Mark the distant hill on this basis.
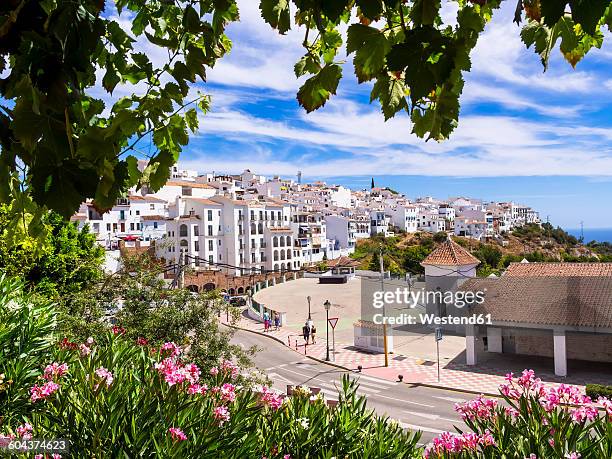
(404, 252)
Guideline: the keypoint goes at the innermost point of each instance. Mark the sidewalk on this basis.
(478, 379)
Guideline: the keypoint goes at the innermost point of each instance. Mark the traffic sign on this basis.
(333, 321)
(438, 334)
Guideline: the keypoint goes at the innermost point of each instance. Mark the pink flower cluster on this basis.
(174, 349)
(118, 330)
(229, 369)
(221, 414)
(105, 375)
(42, 392)
(481, 408)
(53, 456)
(175, 372)
(453, 443)
(228, 392)
(271, 398)
(25, 431)
(177, 434)
(197, 389)
(55, 370)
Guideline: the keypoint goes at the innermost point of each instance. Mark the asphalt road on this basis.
(418, 408)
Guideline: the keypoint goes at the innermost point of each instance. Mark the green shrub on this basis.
(598, 390)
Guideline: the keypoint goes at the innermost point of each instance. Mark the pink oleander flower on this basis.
(271, 398)
(227, 392)
(55, 369)
(84, 350)
(142, 341)
(229, 368)
(221, 414)
(89, 341)
(56, 456)
(42, 392)
(118, 330)
(287, 456)
(573, 455)
(67, 345)
(174, 372)
(197, 389)
(38, 456)
(105, 375)
(177, 434)
(481, 408)
(584, 413)
(607, 404)
(509, 377)
(193, 372)
(172, 347)
(532, 456)
(512, 412)
(25, 431)
(214, 371)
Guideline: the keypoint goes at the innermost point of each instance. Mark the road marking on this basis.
(451, 399)
(277, 377)
(432, 417)
(421, 428)
(376, 380)
(405, 401)
(361, 388)
(275, 367)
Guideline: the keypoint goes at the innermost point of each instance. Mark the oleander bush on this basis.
(116, 396)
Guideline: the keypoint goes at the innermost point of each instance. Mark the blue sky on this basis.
(540, 139)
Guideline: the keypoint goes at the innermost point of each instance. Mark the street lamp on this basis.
(308, 298)
(327, 305)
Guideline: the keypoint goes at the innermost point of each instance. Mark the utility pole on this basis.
(382, 288)
(181, 272)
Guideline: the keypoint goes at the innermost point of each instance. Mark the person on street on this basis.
(266, 317)
(276, 321)
(313, 332)
(306, 332)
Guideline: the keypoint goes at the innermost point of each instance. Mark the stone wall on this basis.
(580, 346)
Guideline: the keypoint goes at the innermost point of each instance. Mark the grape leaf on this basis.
(276, 13)
(318, 89)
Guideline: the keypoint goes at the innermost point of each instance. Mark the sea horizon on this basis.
(592, 234)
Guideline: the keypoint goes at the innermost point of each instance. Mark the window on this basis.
(183, 230)
(252, 242)
(261, 214)
(108, 227)
(184, 244)
(252, 215)
(241, 258)
(210, 215)
(210, 244)
(154, 225)
(186, 191)
(137, 212)
(196, 230)
(210, 230)
(196, 246)
(137, 226)
(151, 206)
(122, 215)
(210, 259)
(219, 242)
(275, 241)
(252, 258)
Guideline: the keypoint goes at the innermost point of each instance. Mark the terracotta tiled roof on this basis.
(187, 184)
(572, 301)
(283, 229)
(76, 217)
(342, 262)
(152, 217)
(449, 253)
(205, 201)
(558, 269)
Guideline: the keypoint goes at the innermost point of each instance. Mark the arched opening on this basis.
(282, 254)
(276, 255)
(275, 241)
(231, 291)
(183, 230)
(192, 288)
(288, 241)
(209, 287)
(288, 254)
(282, 268)
(282, 241)
(240, 291)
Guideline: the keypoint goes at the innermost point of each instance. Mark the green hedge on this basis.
(598, 390)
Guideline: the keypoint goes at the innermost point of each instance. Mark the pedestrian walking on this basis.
(306, 332)
(276, 321)
(266, 317)
(313, 332)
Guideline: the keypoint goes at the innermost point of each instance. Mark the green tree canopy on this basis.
(61, 143)
(66, 261)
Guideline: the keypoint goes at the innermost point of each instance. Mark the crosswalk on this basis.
(305, 373)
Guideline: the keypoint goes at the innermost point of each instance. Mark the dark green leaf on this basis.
(424, 12)
(552, 10)
(587, 13)
(276, 13)
(318, 89)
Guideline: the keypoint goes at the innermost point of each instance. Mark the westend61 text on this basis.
(432, 319)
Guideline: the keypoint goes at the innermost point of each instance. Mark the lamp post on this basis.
(308, 298)
(327, 305)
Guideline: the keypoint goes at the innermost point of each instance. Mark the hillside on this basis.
(403, 253)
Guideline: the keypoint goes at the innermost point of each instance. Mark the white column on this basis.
(560, 353)
(470, 345)
(494, 339)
